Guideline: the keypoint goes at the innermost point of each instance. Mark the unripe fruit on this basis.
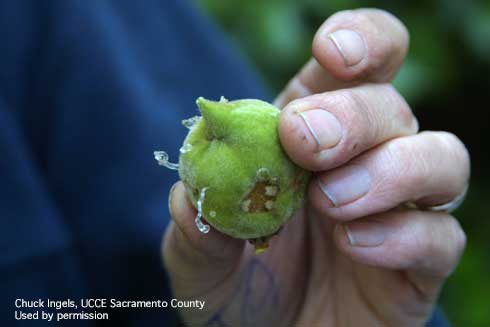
(235, 171)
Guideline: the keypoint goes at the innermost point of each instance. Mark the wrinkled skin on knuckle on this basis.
(437, 246)
(457, 237)
(359, 122)
(457, 150)
(401, 111)
(391, 47)
(408, 166)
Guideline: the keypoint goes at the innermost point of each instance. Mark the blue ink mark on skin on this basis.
(269, 297)
(217, 319)
(253, 272)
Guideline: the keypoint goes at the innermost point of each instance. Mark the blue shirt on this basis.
(88, 90)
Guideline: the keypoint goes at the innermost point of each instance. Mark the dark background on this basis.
(446, 79)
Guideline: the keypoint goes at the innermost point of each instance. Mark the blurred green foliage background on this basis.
(446, 79)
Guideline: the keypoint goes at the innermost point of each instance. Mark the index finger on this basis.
(351, 47)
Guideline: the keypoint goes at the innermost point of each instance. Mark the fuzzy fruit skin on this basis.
(229, 145)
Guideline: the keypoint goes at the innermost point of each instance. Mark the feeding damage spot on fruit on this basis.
(269, 205)
(261, 198)
(271, 190)
(263, 174)
(246, 205)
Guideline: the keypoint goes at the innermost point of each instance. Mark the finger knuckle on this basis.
(427, 245)
(400, 111)
(456, 146)
(390, 39)
(432, 252)
(360, 122)
(455, 151)
(358, 108)
(409, 163)
(442, 244)
(401, 35)
(457, 235)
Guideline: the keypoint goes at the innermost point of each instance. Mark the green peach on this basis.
(236, 172)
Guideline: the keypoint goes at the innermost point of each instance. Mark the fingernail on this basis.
(365, 233)
(323, 126)
(350, 45)
(170, 198)
(346, 184)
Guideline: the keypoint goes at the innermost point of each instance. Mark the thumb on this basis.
(196, 263)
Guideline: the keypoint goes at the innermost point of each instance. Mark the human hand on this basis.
(354, 255)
